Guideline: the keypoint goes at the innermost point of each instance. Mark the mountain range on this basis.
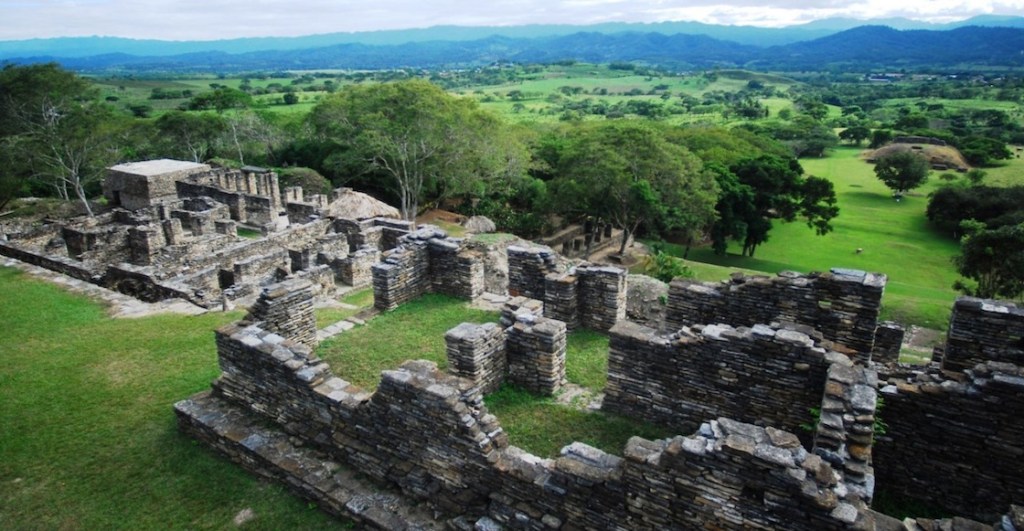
(831, 43)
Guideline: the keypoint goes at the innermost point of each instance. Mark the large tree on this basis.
(191, 134)
(628, 174)
(421, 138)
(902, 171)
(54, 129)
(994, 259)
(755, 191)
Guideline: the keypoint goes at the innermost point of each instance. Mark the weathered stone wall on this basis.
(356, 269)
(262, 269)
(517, 306)
(431, 435)
(984, 330)
(888, 342)
(286, 309)
(602, 296)
(954, 440)
(535, 350)
(561, 298)
(476, 352)
(763, 375)
(842, 304)
(846, 422)
(67, 266)
(426, 261)
(527, 269)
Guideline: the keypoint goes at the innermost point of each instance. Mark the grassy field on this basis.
(88, 439)
(895, 238)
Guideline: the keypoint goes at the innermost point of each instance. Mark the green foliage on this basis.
(309, 179)
(950, 206)
(663, 266)
(190, 135)
(902, 171)
(755, 191)
(994, 260)
(221, 99)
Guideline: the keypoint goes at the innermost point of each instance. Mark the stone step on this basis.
(268, 452)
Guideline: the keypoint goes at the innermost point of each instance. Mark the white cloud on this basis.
(221, 19)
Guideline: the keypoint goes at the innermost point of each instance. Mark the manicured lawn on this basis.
(895, 237)
(88, 438)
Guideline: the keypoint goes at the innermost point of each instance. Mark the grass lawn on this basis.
(895, 237)
(88, 439)
(361, 299)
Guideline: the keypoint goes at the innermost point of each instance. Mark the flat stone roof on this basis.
(151, 168)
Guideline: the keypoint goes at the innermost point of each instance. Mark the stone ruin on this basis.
(738, 365)
(172, 232)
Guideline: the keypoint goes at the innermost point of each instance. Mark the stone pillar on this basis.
(173, 232)
(845, 431)
(535, 349)
(520, 306)
(561, 299)
(357, 269)
(527, 267)
(602, 296)
(888, 341)
(477, 352)
(286, 309)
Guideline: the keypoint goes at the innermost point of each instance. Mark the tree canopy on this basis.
(994, 260)
(757, 190)
(902, 171)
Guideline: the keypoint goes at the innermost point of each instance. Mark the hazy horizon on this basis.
(210, 20)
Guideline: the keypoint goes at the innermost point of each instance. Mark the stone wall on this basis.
(602, 296)
(476, 352)
(954, 440)
(527, 269)
(888, 342)
(66, 266)
(430, 435)
(286, 309)
(426, 261)
(535, 350)
(842, 304)
(984, 330)
(762, 375)
(356, 269)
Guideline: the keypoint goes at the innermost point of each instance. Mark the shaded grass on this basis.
(586, 359)
(88, 439)
(361, 299)
(542, 427)
(413, 331)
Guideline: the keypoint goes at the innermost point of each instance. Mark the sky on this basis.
(226, 19)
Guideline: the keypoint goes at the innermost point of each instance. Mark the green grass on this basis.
(361, 299)
(413, 331)
(895, 237)
(88, 439)
(542, 427)
(586, 359)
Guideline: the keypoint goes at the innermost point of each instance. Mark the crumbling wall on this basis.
(763, 375)
(286, 309)
(527, 269)
(535, 349)
(982, 331)
(476, 352)
(426, 261)
(430, 434)
(843, 304)
(954, 440)
(888, 342)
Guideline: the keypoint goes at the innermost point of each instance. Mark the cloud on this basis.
(222, 19)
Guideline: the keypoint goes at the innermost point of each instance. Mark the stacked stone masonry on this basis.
(982, 331)
(527, 269)
(602, 296)
(535, 350)
(429, 435)
(954, 439)
(476, 352)
(843, 304)
(680, 380)
(286, 309)
(888, 342)
(426, 261)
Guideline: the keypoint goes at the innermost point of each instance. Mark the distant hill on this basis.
(861, 48)
(67, 47)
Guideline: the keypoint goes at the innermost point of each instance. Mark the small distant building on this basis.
(136, 185)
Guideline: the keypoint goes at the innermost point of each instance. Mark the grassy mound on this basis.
(938, 156)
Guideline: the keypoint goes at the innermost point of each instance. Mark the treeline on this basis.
(414, 145)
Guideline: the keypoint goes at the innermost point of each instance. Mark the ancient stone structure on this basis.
(983, 330)
(527, 269)
(535, 349)
(843, 304)
(888, 341)
(181, 240)
(427, 261)
(286, 309)
(476, 352)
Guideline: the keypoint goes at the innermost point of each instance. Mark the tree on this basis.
(221, 99)
(291, 98)
(755, 191)
(879, 138)
(417, 136)
(855, 134)
(193, 133)
(628, 174)
(59, 131)
(994, 259)
(902, 171)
